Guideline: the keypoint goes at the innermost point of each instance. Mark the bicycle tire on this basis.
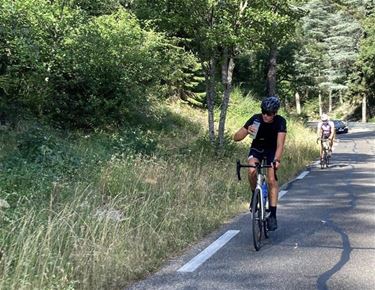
(326, 158)
(323, 162)
(265, 229)
(257, 222)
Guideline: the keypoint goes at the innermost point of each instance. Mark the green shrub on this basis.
(80, 70)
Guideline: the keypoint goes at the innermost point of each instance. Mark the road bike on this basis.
(259, 203)
(324, 160)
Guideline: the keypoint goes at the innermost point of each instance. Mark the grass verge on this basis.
(101, 210)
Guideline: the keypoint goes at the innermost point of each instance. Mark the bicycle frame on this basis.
(259, 214)
(260, 179)
(324, 143)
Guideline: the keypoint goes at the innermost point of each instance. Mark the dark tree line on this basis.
(87, 63)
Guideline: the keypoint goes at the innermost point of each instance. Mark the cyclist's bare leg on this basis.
(252, 173)
(331, 144)
(273, 187)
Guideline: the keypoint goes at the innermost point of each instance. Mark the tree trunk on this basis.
(330, 101)
(320, 104)
(364, 112)
(298, 103)
(209, 74)
(227, 77)
(271, 72)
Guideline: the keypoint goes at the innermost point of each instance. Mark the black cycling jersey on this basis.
(267, 134)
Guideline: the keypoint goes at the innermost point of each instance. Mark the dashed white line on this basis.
(302, 175)
(282, 193)
(203, 256)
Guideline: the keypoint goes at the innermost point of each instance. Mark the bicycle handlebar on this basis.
(257, 165)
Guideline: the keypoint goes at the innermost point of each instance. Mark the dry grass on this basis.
(141, 210)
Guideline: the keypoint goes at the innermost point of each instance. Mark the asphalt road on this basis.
(325, 240)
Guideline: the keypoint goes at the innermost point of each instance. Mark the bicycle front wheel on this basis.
(326, 159)
(257, 222)
(323, 162)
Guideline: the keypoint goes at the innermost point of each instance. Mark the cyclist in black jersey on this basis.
(270, 132)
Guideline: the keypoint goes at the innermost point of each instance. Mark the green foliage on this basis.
(362, 80)
(92, 89)
(311, 108)
(30, 33)
(242, 107)
(84, 63)
(96, 7)
(35, 158)
(329, 36)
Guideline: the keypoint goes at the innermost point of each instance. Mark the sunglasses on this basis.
(268, 113)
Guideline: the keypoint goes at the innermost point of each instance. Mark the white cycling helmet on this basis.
(324, 117)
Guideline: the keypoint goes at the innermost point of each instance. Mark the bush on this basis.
(79, 70)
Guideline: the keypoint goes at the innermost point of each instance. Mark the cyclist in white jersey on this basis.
(326, 130)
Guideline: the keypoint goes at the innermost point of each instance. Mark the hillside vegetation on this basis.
(98, 210)
(116, 119)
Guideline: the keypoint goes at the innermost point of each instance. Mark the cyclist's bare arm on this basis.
(279, 147)
(240, 134)
(319, 130)
(332, 135)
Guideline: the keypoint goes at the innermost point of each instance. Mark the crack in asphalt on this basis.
(345, 257)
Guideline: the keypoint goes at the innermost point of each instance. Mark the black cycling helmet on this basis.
(270, 104)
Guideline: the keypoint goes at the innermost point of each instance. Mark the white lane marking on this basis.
(282, 193)
(302, 175)
(203, 256)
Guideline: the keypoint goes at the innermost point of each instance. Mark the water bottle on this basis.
(256, 124)
(264, 190)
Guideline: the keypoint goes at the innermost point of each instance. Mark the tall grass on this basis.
(151, 208)
(121, 213)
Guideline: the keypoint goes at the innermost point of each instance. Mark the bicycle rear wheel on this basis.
(257, 220)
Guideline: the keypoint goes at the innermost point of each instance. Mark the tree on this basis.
(217, 32)
(280, 25)
(331, 36)
(192, 22)
(362, 80)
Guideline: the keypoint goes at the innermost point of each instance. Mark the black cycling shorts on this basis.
(260, 154)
